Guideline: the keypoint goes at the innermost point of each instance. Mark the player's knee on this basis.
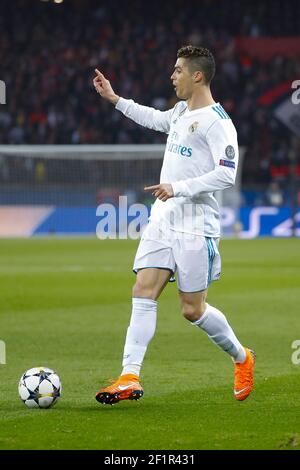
(193, 312)
(141, 290)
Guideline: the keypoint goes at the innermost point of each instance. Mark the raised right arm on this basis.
(143, 115)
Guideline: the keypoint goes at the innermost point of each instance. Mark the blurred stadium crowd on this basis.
(48, 53)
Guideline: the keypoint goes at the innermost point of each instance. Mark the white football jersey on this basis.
(201, 157)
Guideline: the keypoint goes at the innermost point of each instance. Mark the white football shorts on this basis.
(195, 259)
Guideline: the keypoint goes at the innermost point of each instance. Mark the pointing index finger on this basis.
(150, 188)
(99, 73)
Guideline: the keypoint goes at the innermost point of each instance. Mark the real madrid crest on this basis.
(193, 127)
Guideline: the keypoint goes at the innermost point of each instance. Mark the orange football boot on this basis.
(127, 387)
(244, 376)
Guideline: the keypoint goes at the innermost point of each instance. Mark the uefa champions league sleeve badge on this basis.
(229, 152)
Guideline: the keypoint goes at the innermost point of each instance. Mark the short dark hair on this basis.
(199, 58)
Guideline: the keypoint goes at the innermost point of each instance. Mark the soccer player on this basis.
(183, 232)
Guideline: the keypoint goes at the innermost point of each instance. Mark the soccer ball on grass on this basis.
(39, 387)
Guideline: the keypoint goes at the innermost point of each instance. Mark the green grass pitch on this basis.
(66, 303)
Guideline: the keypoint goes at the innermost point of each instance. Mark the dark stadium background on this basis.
(65, 300)
(48, 53)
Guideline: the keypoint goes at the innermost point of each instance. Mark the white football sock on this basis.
(214, 323)
(139, 334)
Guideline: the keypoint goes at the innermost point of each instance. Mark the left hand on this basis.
(163, 191)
